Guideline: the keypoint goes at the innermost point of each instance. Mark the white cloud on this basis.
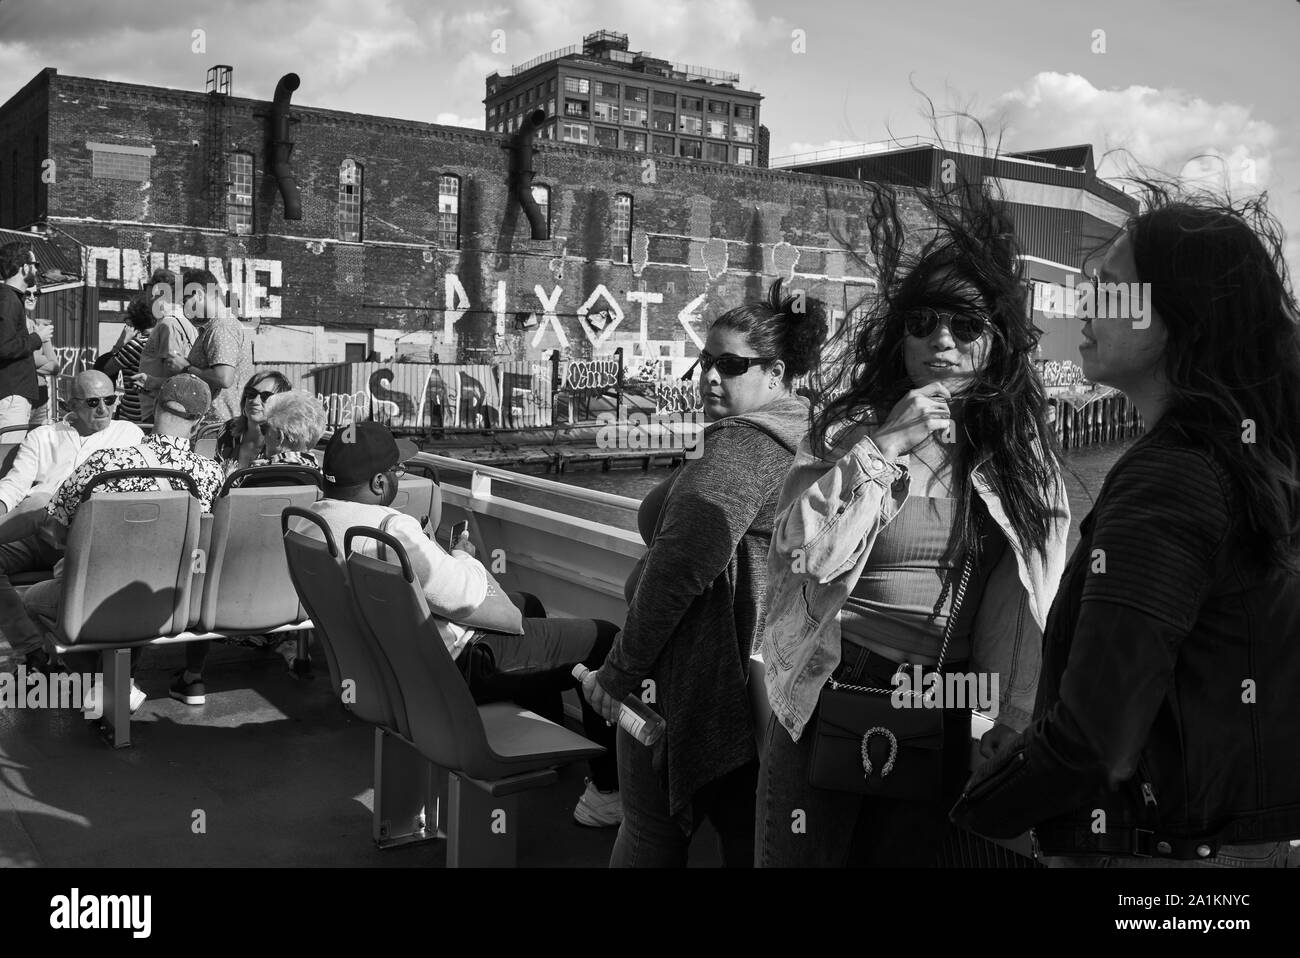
(1169, 130)
(453, 119)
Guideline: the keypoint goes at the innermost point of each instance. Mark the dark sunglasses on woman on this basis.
(727, 365)
(965, 327)
(251, 394)
(93, 402)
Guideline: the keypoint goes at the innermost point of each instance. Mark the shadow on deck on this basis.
(280, 772)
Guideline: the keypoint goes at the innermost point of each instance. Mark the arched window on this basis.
(239, 194)
(351, 181)
(542, 197)
(622, 240)
(449, 211)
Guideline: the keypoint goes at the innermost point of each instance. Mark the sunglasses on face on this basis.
(93, 402)
(251, 394)
(727, 365)
(965, 327)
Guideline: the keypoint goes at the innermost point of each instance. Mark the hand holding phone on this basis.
(458, 530)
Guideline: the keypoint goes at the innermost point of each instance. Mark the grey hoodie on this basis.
(700, 603)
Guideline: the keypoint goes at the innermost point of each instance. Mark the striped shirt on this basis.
(128, 357)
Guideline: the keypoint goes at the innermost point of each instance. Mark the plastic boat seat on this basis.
(491, 752)
(319, 577)
(247, 587)
(419, 497)
(206, 448)
(408, 789)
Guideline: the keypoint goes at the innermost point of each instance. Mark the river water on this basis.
(1086, 467)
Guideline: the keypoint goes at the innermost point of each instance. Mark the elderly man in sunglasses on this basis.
(45, 459)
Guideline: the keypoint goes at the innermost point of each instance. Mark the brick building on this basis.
(410, 241)
(607, 96)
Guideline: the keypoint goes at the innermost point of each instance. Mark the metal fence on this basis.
(423, 397)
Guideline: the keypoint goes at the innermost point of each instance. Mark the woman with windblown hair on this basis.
(928, 455)
(1168, 704)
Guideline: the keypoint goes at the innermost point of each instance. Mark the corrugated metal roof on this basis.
(58, 265)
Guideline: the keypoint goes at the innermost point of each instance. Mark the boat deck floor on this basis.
(281, 775)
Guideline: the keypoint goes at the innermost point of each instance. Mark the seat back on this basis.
(206, 448)
(126, 573)
(282, 474)
(8, 450)
(247, 587)
(420, 497)
(445, 723)
(320, 578)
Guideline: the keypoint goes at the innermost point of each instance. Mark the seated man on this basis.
(361, 470)
(46, 457)
(181, 403)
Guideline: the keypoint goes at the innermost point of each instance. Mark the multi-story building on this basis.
(606, 96)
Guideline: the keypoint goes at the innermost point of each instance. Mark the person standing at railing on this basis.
(698, 605)
(173, 334)
(125, 357)
(1167, 724)
(46, 360)
(923, 524)
(18, 386)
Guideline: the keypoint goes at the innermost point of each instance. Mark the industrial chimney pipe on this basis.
(521, 171)
(282, 146)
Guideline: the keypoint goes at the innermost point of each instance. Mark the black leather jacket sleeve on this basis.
(1156, 535)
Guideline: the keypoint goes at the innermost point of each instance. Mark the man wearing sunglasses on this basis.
(18, 387)
(45, 459)
(182, 401)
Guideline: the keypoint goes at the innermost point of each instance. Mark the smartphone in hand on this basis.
(458, 530)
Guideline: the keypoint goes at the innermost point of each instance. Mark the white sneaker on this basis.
(90, 702)
(597, 809)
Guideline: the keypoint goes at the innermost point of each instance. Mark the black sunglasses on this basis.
(727, 365)
(251, 394)
(965, 327)
(93, 402)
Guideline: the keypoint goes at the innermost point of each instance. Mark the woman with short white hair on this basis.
(295, 421)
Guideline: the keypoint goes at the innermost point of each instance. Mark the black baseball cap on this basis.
(357, 452)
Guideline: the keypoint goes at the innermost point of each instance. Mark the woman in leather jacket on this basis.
(1167, 721)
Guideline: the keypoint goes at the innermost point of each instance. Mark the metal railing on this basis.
(545, 57)
(481, 478)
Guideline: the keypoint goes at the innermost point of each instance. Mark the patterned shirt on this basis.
(288, 457)
(224, 342)
(128, 357)
(156, 451)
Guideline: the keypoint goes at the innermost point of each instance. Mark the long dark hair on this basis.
(970, 262)
(1220, 285)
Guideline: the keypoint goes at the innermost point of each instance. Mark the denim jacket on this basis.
(828, 517)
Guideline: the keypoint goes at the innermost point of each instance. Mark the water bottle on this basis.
(635, 717)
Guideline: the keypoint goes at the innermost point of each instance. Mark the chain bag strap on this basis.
(851, 717)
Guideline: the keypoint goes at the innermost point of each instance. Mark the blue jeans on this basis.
(1264, 855)
(800, 826)
(651, 838)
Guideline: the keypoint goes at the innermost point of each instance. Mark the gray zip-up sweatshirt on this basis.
(700, 604)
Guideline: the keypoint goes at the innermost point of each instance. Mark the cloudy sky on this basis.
(1198, 87)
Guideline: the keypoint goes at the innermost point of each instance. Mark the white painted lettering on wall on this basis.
(252, 287)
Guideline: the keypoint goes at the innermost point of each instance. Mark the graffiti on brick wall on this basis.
(583, 375)
(423, 396)
(251, 287)
(75, 359)
(1062, 372)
